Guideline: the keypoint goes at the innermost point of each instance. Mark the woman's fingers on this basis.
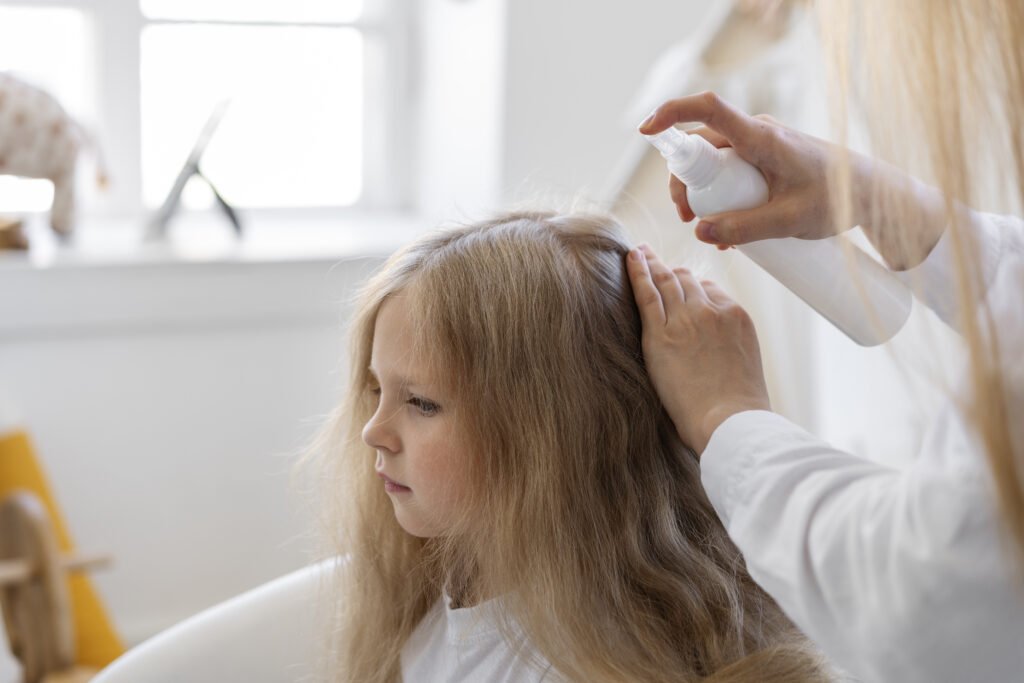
(707, 108)
(716, 295)
(716, 139)
(648, 300)
(692, 289)
(770, 221)
(677, 190)
(661, 292)
(672, 297)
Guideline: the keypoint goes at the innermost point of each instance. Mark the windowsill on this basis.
(209, 239)
(108, 281)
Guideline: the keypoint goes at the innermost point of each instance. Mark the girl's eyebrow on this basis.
(404, 381)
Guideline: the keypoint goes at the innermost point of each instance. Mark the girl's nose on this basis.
(380, 434)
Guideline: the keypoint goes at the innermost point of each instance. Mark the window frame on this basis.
(116, 29)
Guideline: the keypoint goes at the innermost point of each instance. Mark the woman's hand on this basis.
(700, 348)
(794, 164)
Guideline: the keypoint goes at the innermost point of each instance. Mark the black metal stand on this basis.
(158, 226)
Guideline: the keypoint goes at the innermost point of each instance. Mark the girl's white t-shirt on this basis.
(466, 644)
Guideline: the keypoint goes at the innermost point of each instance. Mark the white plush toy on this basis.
(39, 140)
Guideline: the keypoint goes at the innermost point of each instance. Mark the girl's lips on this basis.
(392, 486)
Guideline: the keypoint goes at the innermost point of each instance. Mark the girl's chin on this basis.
(413, 526)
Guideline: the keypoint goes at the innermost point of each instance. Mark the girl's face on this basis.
(419, 457)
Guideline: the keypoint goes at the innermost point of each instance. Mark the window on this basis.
(301, 130)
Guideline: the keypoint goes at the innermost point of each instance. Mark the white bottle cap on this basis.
(669, 142)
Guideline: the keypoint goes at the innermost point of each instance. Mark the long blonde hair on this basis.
(593, 530)
(939, 87)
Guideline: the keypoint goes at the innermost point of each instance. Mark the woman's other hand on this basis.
(700, 348)
(794, 164)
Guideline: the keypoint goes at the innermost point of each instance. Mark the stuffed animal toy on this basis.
(38, 139)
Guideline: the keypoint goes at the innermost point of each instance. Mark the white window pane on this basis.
(27, 39)
(312, 11)
(292, 135)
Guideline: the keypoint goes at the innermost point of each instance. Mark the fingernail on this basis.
(635, 254)
(650, 117)
(706, 232)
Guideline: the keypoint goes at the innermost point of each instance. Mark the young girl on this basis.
(515, 503)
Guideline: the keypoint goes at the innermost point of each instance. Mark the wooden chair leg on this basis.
(37, 608)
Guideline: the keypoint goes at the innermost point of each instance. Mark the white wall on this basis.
(526, 100)
(573, 68)
(167, 403)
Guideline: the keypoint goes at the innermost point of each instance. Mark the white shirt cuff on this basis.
(730, 452)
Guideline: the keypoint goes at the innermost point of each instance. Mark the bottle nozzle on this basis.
(668, 141)
(690, 158)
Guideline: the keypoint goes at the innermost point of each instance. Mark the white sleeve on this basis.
(997, 243)
(898, 575)
(885, 570)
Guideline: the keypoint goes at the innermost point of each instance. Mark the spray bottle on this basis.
(869, 306)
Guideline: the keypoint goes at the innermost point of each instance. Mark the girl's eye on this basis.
(428, 408)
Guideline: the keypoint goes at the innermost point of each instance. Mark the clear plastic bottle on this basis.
(869, 306)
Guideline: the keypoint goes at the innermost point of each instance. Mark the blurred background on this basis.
(161, 376)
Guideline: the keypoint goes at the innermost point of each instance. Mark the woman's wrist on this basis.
(901, 216)
(716, 416)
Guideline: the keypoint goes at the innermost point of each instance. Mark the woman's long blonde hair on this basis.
(939, 87)
(593, 530)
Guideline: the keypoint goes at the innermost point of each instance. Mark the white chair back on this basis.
(266, 635)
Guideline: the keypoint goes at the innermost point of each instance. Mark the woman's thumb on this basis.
(739, 227)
